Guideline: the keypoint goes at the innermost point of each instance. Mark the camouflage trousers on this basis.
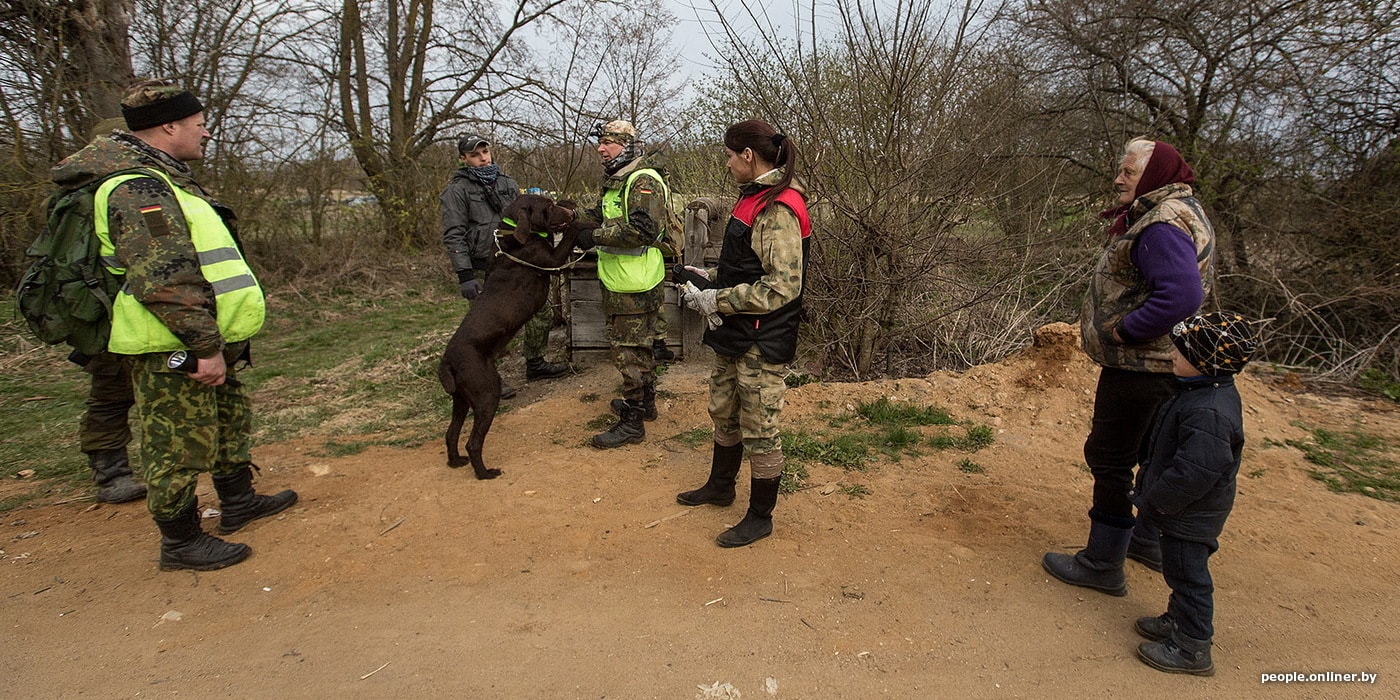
(630, 336)
(187, 428)
(105, 424)
(660, 326)
(746, 396)
(534, 337)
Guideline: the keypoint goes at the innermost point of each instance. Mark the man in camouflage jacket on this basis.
(632, 211)
(181, 333)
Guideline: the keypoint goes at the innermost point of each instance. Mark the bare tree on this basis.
(1205, 75)
(628, 70)
(404, 73)
(63, 66)
(903, 116)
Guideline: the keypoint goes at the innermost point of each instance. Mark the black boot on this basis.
(627, 430)
(648, 403)
(758, 522)
(719, 489)
(1099, 565)
(185, 545)
(536, 368)
(661, 353)
(1144, 547)
(241, 505)
(1156, 629)
(111, 471)
(1178, 654)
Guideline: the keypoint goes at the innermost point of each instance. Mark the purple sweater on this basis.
(1166, 258)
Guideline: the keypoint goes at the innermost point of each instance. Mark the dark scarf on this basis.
(1164, 167)
(630, 152)
(485, 174)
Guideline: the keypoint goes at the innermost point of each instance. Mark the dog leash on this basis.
(502, 252)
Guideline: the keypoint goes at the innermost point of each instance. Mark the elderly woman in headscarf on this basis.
(1156, 269)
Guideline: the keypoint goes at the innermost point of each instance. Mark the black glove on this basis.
(468, 283)
(584, 239)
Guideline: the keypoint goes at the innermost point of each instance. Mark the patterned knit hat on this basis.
(1216, 343)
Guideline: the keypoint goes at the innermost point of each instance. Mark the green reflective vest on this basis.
(238, 300)
(631, 270)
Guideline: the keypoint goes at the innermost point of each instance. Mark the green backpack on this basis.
(66, 296)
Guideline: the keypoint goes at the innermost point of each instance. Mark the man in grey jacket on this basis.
(471, 212)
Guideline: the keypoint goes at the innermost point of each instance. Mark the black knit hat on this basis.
(1216, 343)
(154, 104)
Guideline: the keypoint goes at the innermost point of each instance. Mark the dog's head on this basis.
(533, 213)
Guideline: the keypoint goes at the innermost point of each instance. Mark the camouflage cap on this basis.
(152, 103)
(617, 130)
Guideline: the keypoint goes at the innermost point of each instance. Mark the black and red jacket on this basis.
(774, 332)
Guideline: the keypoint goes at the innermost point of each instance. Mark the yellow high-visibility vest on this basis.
(238, 300)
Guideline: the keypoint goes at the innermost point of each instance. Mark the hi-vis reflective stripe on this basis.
(218, 255)
(233, 283)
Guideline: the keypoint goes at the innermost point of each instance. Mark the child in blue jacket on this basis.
(1187, 484)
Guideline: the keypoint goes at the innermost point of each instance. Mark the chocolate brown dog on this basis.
(516, 287)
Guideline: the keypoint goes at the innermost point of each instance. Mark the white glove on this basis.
(702, 301)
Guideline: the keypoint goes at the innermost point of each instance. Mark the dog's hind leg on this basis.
(460, 407)
(485, 392)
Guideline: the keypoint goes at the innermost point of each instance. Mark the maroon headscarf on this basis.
(1164, 167)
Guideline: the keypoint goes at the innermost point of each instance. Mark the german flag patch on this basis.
(154, 216)
(643, 189)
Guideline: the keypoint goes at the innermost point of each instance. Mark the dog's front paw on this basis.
(487, 473)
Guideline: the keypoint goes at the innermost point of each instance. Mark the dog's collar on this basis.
(511, 224)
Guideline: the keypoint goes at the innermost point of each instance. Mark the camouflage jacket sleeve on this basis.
(646, 203)
(777, 239)
(153, 243)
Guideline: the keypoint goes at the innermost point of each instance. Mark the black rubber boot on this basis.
(1145, 548)
(241, 505)
(661, 353)
(719, 489)
(1178, 654)
(758, 522)
(1156, 629)
(111, 471)
(537, 368)
(648, 403)
(185, 545)
(507, 391)
(1099, 565)
(627, 430)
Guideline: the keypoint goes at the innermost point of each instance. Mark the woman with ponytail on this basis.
(753, 307)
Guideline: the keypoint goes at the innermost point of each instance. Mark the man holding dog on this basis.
(471, 212)
(632, 213)
(182, 320)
